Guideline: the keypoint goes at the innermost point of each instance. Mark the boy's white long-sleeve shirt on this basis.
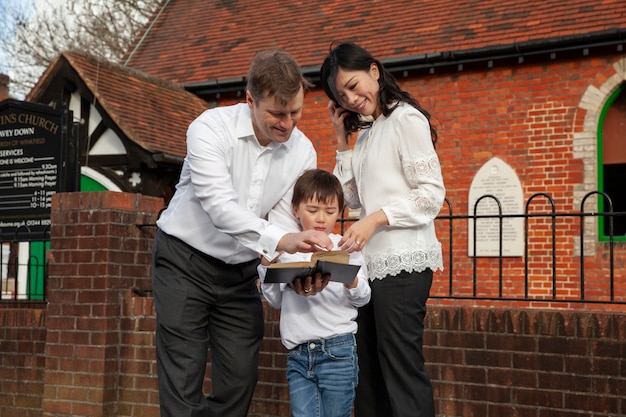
(330, 313)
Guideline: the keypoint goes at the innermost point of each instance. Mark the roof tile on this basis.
(151, 112)
(195, 41)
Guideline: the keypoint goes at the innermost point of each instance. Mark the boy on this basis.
(319, 328)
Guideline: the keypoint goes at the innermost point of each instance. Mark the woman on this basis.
(393, 175)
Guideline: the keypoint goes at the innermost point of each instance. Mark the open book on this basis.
(336, 263)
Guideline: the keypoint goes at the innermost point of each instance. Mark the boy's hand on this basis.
(354, 283)
(309, 285)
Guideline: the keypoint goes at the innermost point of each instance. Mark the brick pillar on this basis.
(98, 255)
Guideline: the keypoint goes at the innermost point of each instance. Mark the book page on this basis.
(338, 256)
(298, 264)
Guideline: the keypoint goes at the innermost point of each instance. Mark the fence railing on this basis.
(558, 256)
(562, 256)
(23, 264)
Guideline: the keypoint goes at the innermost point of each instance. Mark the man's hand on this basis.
(305, 241)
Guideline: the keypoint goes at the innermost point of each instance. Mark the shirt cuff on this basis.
(390, 219)
(360, 291)
(344, 154)
(269, 241)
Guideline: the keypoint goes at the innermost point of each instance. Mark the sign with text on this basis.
(31, 159)
(496, 179)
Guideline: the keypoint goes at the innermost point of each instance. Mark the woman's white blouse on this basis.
(394, 167)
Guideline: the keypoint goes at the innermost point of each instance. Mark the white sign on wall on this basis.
(498, 179)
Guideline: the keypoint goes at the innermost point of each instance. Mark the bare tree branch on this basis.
(37, 33)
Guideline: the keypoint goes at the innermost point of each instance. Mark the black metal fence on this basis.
(23, 264)
(580, 263)
(577, 263)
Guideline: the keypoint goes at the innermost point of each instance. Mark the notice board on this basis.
(33, 144)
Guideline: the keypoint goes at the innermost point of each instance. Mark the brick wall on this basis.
(501, 361)
(90, 352)
(526, 362)
(22, 359)
(98, 359)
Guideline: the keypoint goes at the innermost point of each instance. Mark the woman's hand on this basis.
(361, 231)
(337, 116)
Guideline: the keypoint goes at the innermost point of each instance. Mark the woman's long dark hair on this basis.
(352, 57)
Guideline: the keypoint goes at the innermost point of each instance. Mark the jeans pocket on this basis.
(341, 353)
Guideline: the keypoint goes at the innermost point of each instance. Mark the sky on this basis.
(9, 10)
(7, 25)
(30, 8)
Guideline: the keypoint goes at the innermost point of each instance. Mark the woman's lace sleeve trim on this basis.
(422, 203)
(419, 168)
(416, 171)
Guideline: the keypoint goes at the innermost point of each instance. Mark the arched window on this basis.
(612, 162)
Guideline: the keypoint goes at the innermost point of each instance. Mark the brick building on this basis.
(535, 89)
(531, 88)
(535, 85)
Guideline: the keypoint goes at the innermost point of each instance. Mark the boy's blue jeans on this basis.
(323, 376)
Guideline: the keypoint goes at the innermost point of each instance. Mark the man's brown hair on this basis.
(275, 73)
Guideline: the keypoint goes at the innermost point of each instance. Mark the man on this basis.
(242, 162)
